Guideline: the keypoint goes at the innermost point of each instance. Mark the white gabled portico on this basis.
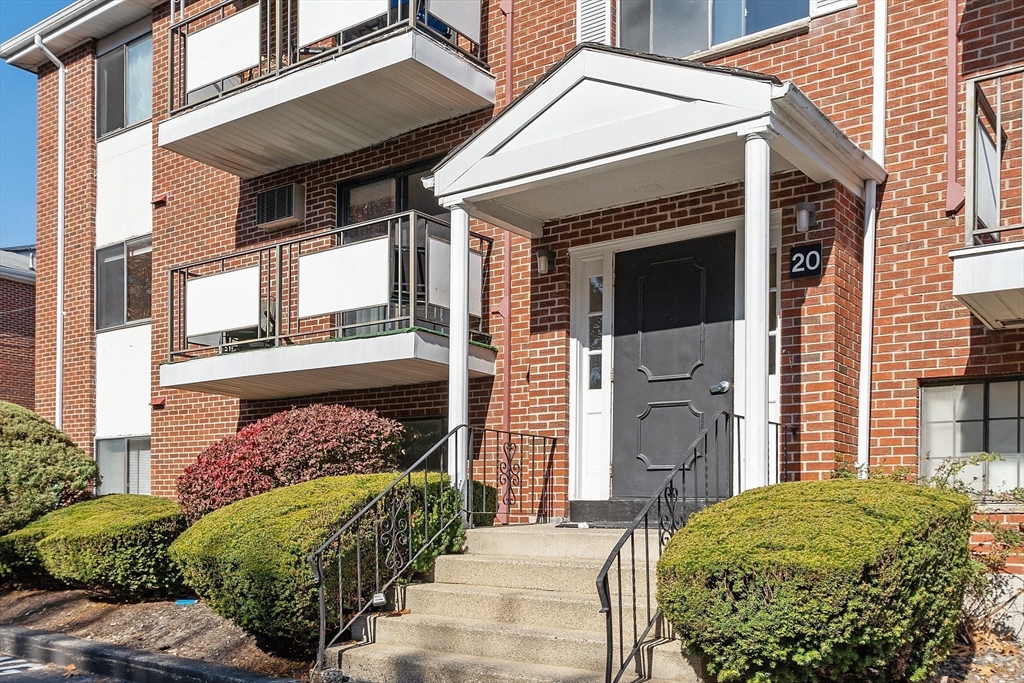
(607, 128)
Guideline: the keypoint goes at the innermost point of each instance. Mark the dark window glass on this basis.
(110, 286)
(420, 437)
(139, 284)
(124, 285)
(110, 92)
(423, 200)
(124, 85)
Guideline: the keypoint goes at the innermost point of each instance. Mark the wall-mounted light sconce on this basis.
(806, 217)
(545, 261)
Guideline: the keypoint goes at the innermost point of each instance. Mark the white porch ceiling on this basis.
(608, 127)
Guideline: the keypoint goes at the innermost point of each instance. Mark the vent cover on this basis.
(281, 207)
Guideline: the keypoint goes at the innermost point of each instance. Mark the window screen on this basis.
(110, 293)
(110, 92)
(124, 465)
(124, 283)
(124, 86)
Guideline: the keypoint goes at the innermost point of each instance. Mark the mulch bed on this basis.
(191, 631)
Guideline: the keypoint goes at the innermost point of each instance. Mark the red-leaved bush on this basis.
(288, 448)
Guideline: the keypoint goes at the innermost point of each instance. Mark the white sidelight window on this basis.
(124, 465)
(676, 28)
(961, 421)
(124, 86)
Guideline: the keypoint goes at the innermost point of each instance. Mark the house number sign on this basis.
(805, 261)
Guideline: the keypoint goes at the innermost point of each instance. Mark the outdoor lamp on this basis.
(805, 216)
(545, 261)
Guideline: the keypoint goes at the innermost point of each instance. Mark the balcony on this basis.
(988, 273)
(360, 307)
(261, 85)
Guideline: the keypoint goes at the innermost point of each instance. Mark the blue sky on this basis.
(18, 127)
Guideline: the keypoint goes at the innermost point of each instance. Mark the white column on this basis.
(458, 342)
(756, 248)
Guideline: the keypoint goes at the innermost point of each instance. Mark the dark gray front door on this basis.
(674, 311)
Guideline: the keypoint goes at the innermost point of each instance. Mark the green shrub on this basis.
(40, 468)
(247, 560)
(820, 581)
(114, 544)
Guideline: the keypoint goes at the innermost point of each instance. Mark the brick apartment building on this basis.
(18, 325)
(811, 208)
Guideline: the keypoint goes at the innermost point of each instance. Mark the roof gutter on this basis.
(17, 275)
(58, 399)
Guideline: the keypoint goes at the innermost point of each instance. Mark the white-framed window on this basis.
(124, 86)
(124, 465)
(124, 282)
(962, 421)
(678, 28)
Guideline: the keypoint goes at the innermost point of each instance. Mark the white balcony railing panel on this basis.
(226, 301)
(461, 15)
(987, 179)
(344, 279)
(319, 19)
(224, 49)
(438, 269)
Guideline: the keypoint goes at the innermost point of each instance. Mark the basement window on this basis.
(960, 422)
(124, 465)
(124, 283)
(124, 86)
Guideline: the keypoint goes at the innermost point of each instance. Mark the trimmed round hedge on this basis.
(41, 469)
(115, 544)
(810, 582)
(247, 560)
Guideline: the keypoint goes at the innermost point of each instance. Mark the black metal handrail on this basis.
(503, 474)
(410, 275)
(696, 482)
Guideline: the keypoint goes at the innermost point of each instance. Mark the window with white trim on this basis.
(678, 28)
(961, 421)
(124, 465)
(124, 282)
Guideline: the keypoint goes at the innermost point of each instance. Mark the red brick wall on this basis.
(921, 332)
(17, 343)
(80, 339)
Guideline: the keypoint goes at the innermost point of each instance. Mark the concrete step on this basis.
(514, 606)
(543, 541)
(379, 663)
(515, 644)
(399, 664)
(566, 576)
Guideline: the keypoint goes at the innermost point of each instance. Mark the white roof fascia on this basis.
(20, 51)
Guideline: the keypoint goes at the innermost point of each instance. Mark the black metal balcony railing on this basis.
(413, 253)
(280, 50)
(995, 139)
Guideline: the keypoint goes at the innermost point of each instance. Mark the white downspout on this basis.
(867, 307)
(58, 398)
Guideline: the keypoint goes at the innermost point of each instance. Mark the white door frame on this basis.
(599, 453)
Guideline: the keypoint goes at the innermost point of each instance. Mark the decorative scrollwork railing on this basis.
(626, 584)
(471, 476)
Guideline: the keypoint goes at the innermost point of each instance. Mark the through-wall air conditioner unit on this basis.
(282, 207)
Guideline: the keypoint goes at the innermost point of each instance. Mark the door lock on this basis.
(722, 387)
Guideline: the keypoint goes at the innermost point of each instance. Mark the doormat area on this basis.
(184, 630)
